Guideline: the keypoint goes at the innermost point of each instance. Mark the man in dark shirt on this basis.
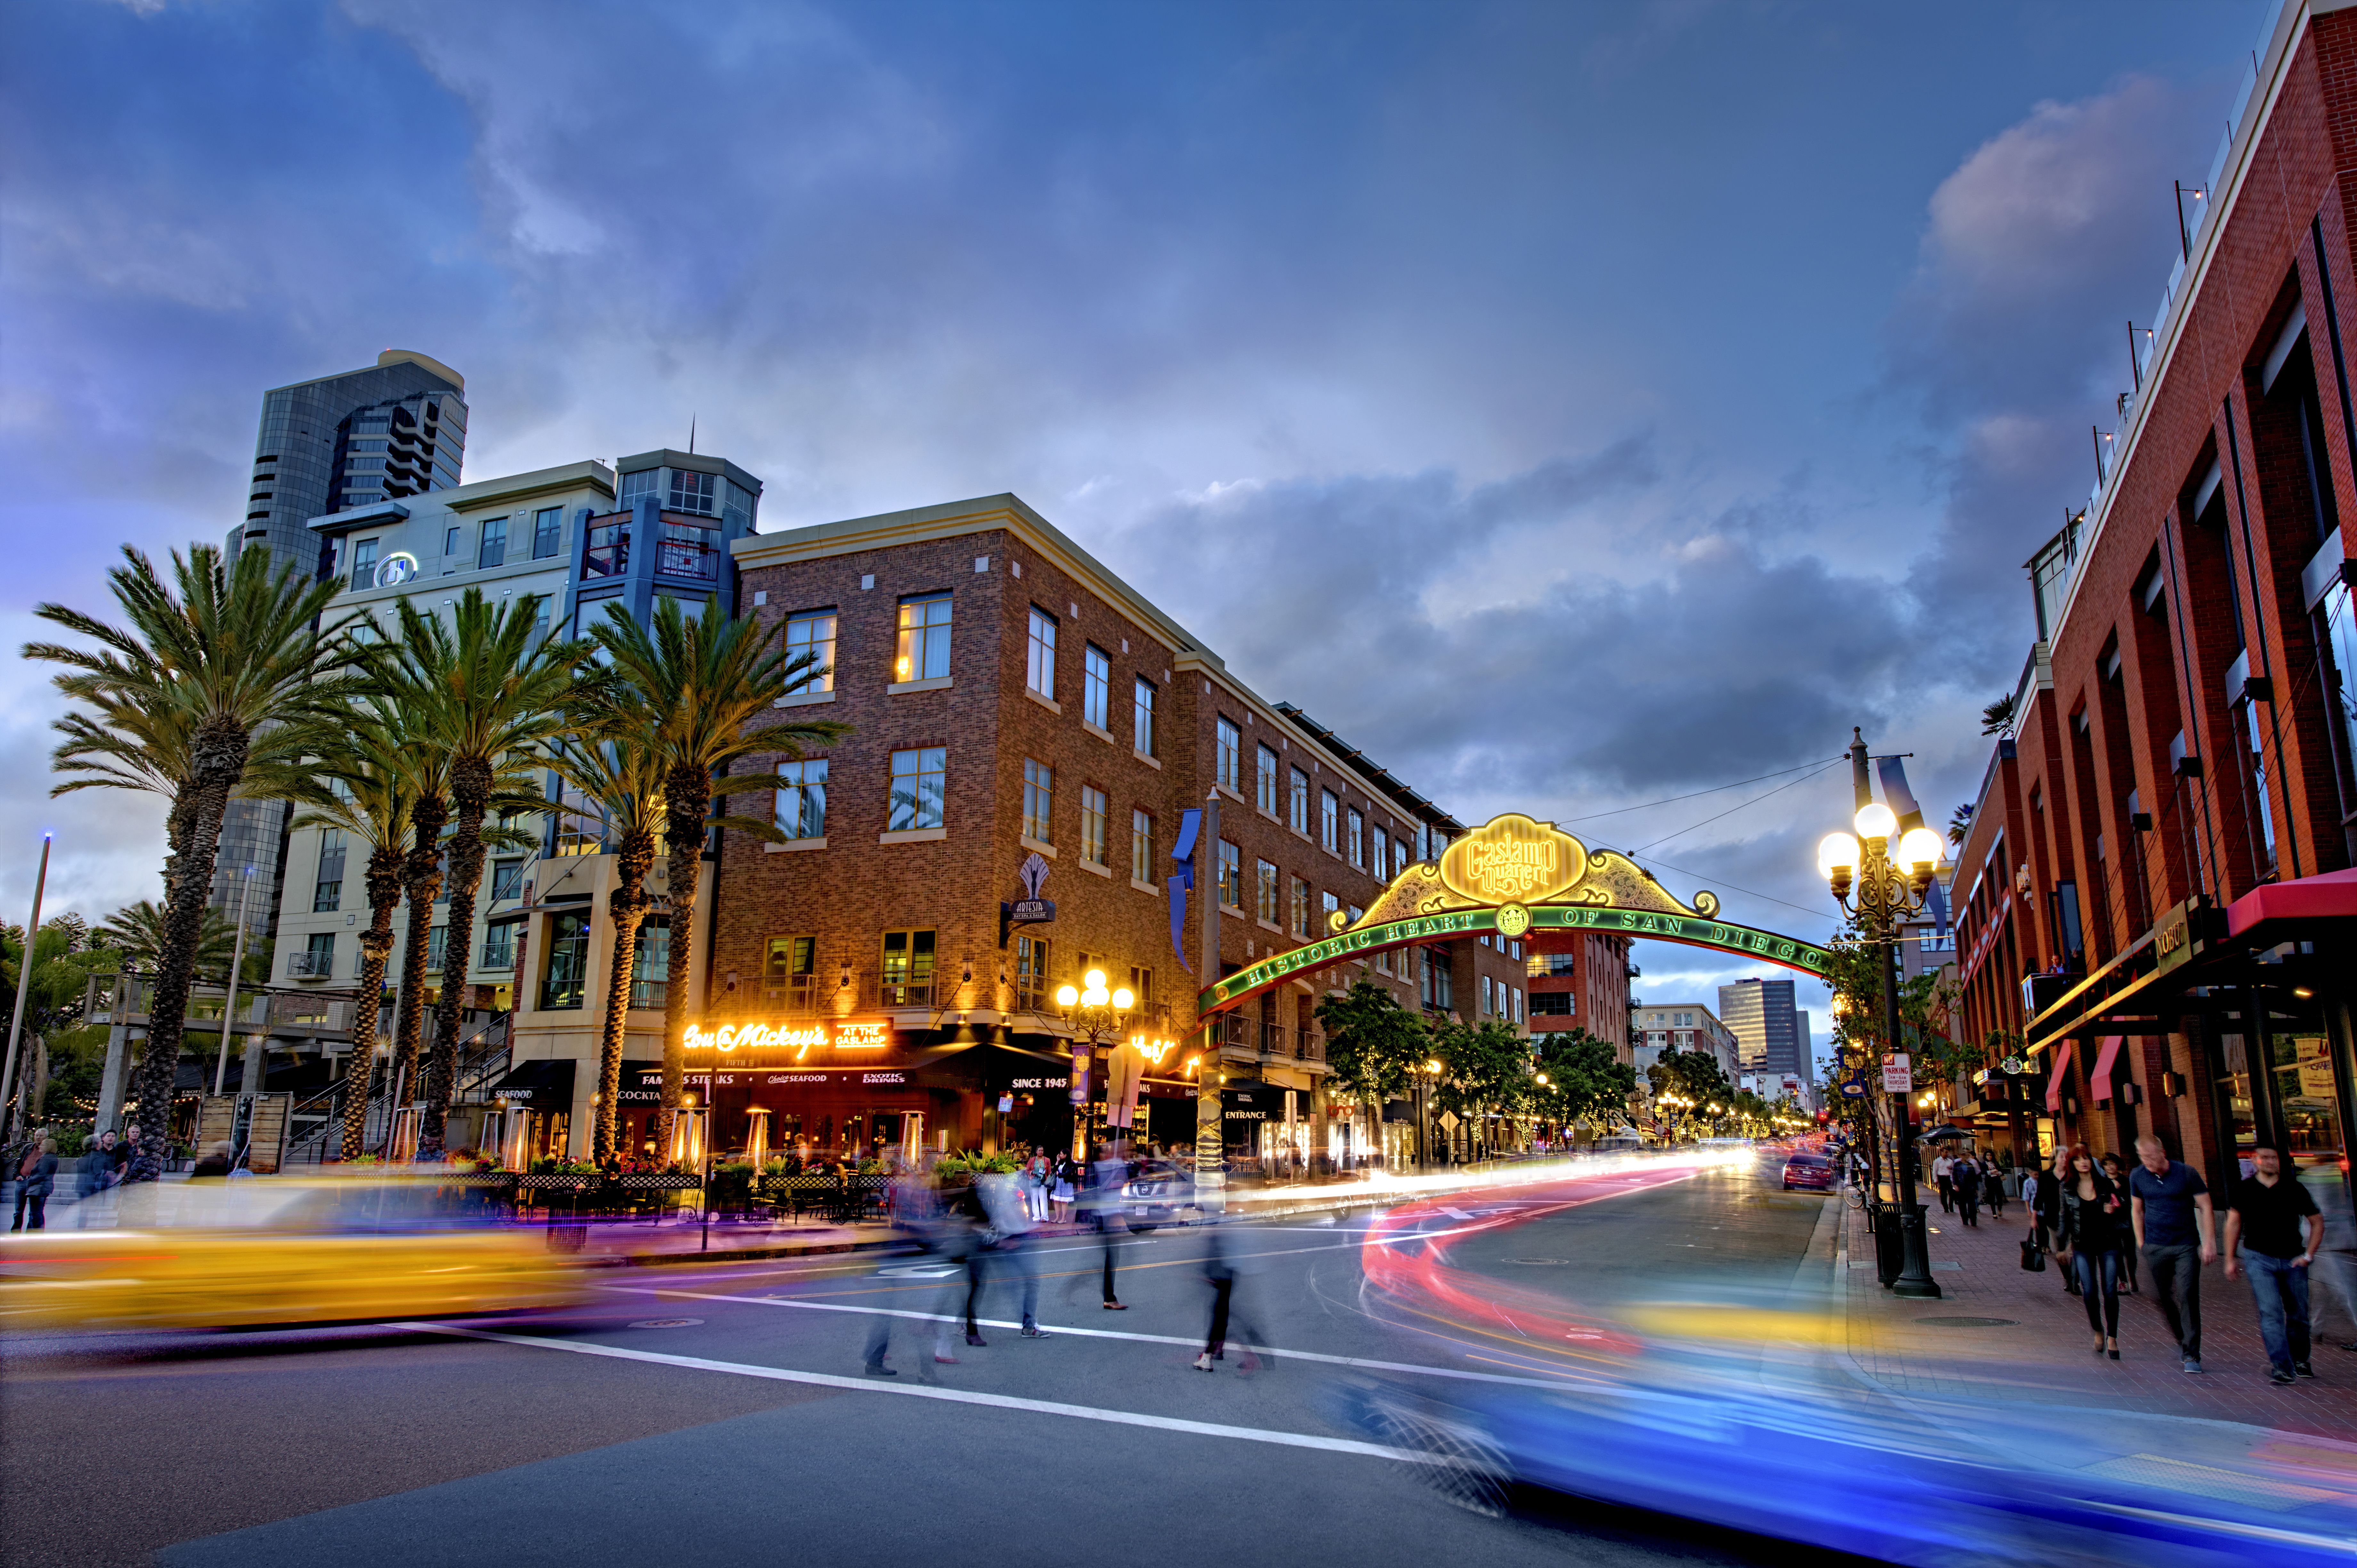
(2264, 1234)
(2171, 1207)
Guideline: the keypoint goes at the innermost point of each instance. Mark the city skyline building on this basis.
(1762, 1016)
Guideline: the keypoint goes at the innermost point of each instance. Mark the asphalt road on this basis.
(719, 1414)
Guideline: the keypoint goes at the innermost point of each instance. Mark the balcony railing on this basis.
(687, 551)
(794, 992)
(609, 551)
(310, 966)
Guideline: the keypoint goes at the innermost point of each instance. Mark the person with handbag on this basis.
(37, 1178)
(2092, 1236)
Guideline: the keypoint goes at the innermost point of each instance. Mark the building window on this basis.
(1231, 875)
(2263, 817)
(920, 779)
(364, 564)
(547, 531)
(1144, 737)
(1358, 850)
(641, 483)
(1330, 820)
(1300, 921)
(1031, 975)
(802, 804)
(1266, 780)
(922, 652)
(1486, 1005)
(907, 969)
(1267, 889)
(789, 973)
(1229, 761)
(453, 541)
(1141, 845)
(1399, 857)
(1439, 988)
(328, 893)
(493, 550)
(1141, 985)
(1328, 906)
(1093, 824)
(1039, 661)
(1383, 962)
(693, 493)
(319, 955)
(1299, 808)
(650, 964)
(437, 939)
(1553, 1003)
(569, 963)
(811, 637)
(507, 878)
(1096, 685)
(498, 946)
(1038, 799)
(1383, 851)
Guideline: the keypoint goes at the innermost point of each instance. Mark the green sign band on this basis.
(1789, 951)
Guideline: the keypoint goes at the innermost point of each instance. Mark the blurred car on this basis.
(273, 1252)
(1811, 1173)
(1160, 1194)
(2048, 1486)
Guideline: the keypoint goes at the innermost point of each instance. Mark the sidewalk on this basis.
(2000, 1333)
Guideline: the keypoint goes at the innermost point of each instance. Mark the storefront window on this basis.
(568, 962)
(2234, 1108)
(2306, 1090)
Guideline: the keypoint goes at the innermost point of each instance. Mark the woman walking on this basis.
(1994, 1177)
(2116, 1171)
(2093, 1235)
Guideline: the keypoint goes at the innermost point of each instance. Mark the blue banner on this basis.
(1182, 880)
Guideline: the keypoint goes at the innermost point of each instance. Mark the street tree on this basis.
(1374, 1046)
(215, 657)
(486, 692)
(706, 688)
(1585, 1079)
(1485, 1070)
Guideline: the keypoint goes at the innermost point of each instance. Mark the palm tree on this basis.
(363, 781)
(613, 764)
(709, 684)
(137, 931)
(481, 692)
(221, 653)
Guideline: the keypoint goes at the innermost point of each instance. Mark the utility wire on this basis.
(1748, 892)
(1732, 810)
(1714, 789)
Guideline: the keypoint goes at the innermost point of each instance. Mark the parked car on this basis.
(1812, 1173)
(1158, 1195)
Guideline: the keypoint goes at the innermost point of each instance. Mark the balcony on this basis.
(310, 966)
(687, 550)
(793, 994)
(609, 551)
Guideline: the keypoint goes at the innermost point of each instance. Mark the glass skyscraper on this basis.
(1766, 1025)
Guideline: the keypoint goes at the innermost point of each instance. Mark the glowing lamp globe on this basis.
(1875, 821)
(1123, 998)
(1920, 850)
(1836, 856)
(1066, 996)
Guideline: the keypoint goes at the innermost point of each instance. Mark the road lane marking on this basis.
(952, 1396)
(1056, 1329)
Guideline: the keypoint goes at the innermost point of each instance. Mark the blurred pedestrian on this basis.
(1224, 1263)
(1100, 1205)
(215, 1163)
(2263, 1225)
(1966, 1174)
(1993, 1180)
(2048, 1207)
(1010, 1248)
(2117, 1170)
(2093, 1233)
(2169, 1205)
(37, 1178)
(1943, 1176)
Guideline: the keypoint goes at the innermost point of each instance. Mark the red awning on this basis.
(2331, 896)
(2062, 1049)
(2102, 1075)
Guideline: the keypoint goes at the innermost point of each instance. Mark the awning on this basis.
(2331, 896)
(2100, 1077)
(543, 1085)
(2062, 1049)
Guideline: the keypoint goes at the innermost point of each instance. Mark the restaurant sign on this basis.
(793, 1041)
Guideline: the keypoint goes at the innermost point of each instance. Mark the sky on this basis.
(1576, 406)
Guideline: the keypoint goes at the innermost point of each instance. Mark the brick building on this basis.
(2154, 902)
(1586, 986)
(1013, 703)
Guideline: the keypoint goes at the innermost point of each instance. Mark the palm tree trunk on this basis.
(632, 859)
(422, 882)
(220, 763)
(376, 948)
(470, 794)
(687, 801)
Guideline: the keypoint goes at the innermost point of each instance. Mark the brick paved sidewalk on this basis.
(2040, 1350)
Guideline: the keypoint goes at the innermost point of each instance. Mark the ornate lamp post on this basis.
(1878, 888)
(1092, 1013)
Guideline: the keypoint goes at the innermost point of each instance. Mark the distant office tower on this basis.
(324, 446)
(1804, 1047)
(1761, 1015)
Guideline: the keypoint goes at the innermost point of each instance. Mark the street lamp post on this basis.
(1092, 1013)
(1878, 884)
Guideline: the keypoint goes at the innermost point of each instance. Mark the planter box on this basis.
(558, 1182)
(661, 1183)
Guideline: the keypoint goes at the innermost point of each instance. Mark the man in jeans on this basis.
(2263, 1233)
(2171, 1207)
